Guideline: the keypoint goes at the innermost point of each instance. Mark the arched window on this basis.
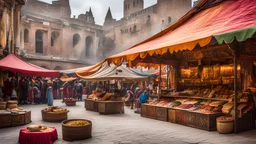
(169, 20)
(137, 1)
(89, 46)
(58, 68)
(128, 6)
(26, 35)
(54, 36)
(134, 3)
(76, 39)
(39, 41)
(134, 28)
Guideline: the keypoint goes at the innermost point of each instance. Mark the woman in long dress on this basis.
(49, 94)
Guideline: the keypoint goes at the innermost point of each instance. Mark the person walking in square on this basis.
(49, 93)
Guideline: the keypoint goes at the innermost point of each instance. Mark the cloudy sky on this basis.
(100, 7)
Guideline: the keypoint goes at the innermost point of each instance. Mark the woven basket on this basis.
(76, 133)
(54, 117)
(70, 103)
(225, 127)
(12, 104)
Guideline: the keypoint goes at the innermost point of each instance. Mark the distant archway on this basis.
(39, 41)
(134, 28)
(89, 46)
(76, 39)
(58, 68)
(26, 36)
(44, 67)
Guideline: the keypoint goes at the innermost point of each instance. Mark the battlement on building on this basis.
(146, 11)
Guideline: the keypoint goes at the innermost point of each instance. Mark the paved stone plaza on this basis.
(129, 128)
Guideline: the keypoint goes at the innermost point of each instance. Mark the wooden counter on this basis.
(91, 105)
(110, 107)
(179, 116)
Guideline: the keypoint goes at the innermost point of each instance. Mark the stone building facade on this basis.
(50, 38)
(53, 40)
(140, 23)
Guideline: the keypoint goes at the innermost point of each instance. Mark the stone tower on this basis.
(109, 19)
(87, 17)
(132, 6)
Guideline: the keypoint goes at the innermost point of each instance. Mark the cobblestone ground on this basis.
(129, 128)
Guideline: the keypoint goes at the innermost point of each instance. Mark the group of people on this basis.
(140, 94)
(73, 89)
(30, 90)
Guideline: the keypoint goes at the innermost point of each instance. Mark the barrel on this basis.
(71, 133)
(225, 127)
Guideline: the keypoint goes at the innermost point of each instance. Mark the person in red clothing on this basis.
(54, 90)
(66, 90)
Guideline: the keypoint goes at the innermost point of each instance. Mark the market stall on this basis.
(211, 51)
(10, 113)
(110, 103)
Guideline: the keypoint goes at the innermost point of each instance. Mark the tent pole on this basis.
(167, 78)
(160, 79)
(235, 44)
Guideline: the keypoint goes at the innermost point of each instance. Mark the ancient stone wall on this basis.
(79, 40)
(59, 9)
(140, 25)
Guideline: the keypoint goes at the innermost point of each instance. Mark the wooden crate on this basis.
(91, 105)
(151, 111)
(191, 119)
(18, 120)
(144, 110)
(202, 121)
(171, 115)
(110, 107)
(180, 117)
(161, 113)
(5, 120)
(28, 117)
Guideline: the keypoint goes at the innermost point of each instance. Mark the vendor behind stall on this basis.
(144, 96)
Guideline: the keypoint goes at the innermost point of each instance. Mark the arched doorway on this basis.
(58, 68)
(89, 46)
(76, 39)
(44, 67)
(39, 41)
(26, 36)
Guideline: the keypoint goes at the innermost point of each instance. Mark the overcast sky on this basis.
(100, 7)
